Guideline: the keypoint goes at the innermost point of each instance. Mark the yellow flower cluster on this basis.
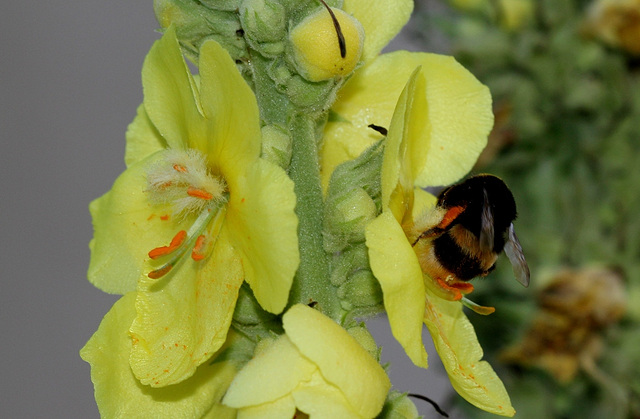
(199, 211)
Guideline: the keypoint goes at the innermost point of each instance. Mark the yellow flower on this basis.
(370, 95)
(118, 392)
(411, 297)
(195, 213)
(316, 367)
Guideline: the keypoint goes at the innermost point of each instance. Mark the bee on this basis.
(470, 226)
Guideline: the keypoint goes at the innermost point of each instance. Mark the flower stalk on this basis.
(311, 283)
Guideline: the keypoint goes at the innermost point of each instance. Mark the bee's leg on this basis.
(451, 214)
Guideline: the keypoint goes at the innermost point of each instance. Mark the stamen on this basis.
(483, 310)
(199, 193)
(177, 240)
(196, 253)
(183, 180)
(192, 239)
(457, 295)
(180, 168)
(159, 273)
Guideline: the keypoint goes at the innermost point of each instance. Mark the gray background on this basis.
(69, 85)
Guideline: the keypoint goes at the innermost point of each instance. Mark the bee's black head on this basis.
(474, 194)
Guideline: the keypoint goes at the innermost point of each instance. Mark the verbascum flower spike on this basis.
(412, 298)
(195, 213)
(316, 368)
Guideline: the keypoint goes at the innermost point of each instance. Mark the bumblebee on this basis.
(462, 237)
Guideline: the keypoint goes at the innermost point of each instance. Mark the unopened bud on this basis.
(324, 49)
(276, 145)
(361, 291)
(264, 25)
(348, 215)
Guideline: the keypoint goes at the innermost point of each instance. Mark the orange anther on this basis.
(180, 168)
(199, 193)
(456, 294)
(451, 215)
(159, 273)
(464, 287)
(197, 254)
(177, 240)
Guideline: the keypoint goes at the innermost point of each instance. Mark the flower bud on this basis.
(361, 291)
(360, 333)
(350, 260)
(264, 25)
(348, 215)
(317, 47)
(398, 405)
(276, 145)
(263, 20)
(196, 23)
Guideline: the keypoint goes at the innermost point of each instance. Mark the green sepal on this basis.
(398, 406)
(276, 145)
(346, 262)
(361, 292)
(226, 5)
(196, 22)
(347, 184)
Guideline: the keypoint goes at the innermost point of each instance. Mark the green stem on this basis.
(311, 283)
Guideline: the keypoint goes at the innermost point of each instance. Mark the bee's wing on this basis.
(487, 232)
(513, 250)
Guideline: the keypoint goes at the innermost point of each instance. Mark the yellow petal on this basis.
(183, 317)
(119, 394)
(142, 138)
(340, 358)
(381, 19)
(231, 111)
(406, 148)
(423, 201)
(220, 411)
(459, 113)
(458, 347)
(396, 267)
(278, 409)
(170, 94)
(270, 375)
(321, 400)
(460, 116)
(263, 227)
(126, 226)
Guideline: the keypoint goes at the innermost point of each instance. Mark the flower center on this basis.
(183, 181)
